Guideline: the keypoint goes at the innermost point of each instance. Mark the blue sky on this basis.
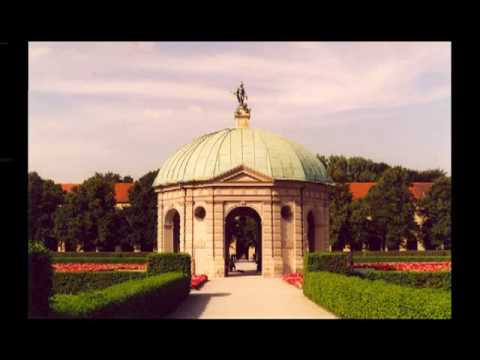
(125, 107)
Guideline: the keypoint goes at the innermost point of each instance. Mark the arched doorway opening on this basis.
(311, 231)
(172, 231)
(243, 242)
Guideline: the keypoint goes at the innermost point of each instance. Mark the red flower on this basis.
(407, 266)
(198, 280)
(73, 267)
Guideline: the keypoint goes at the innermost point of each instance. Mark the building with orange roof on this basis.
(360, 189)
(121, 193)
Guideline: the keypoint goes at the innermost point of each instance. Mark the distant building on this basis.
(418, 189)
(360, 189)
(121, 193)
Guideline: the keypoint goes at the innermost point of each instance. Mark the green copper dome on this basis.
(214, 154)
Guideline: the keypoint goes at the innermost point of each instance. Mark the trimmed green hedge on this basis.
(351, 297)
(367, 259)
(102, 254)
(434, 280)
(99, 260)
(169, 262)
(151, 297)
(75, 282)
(413, 253)
(40, 274)
(326, 261)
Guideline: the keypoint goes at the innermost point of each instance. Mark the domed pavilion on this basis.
(208, 184)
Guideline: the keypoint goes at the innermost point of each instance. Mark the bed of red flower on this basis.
(407, 266)
(294, 279)
(80, 267)
(198, 281)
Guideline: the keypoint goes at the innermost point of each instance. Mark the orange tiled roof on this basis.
(68, 187)
(419, 189)
(121, 191)
(360, 189)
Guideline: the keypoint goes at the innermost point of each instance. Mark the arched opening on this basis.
(243, 242)
(311, 231)
(172, 231)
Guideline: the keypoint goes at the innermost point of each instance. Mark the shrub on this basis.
(75, 282)
(102, 254)
(354, 298)
(40, 275)
(99, 260)
(367, 259)
(169, 262)
(333, 262)
(434, 280)
(153, 296)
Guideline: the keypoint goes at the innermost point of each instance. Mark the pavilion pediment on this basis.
(243, 175)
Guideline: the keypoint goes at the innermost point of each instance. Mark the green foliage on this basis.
(351, 297)
(366, 259)
(100, 260)
(364, 232)
(141, 216)
(169, 262)
(436, 210)
(358, 169)
(102, 254)
(40, 273)
(434, 280)
(391, 207)
(340, 212)
(333, 262)
(75, 282)
(88, 218)
(151, 297)
(44, 196)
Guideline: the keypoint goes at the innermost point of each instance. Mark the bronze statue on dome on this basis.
(241, 96)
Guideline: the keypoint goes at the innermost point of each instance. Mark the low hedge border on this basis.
(413, 253)
(75, 282)
(151, 297)
(102, 254)
(434, 280)
(351, 297)
(99, 260)
(169, 262)
(325, 261)
(40, 279)
(367, 259)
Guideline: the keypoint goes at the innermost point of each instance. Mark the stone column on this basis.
(268, 265)
(298, 235)
(277, 240)
(218, 239)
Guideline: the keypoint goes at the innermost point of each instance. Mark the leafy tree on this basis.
(142, 214)
(391, 207)
(340, 200)
(44, 196)
(338, 168)
(87, 217)
(364, 230)
(436, 210)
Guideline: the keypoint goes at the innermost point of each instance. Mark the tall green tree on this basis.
(363, 229)
(391, 207)
(88, 213)
(44, 197)
(340, 201)
(436, 210)
(142, 214)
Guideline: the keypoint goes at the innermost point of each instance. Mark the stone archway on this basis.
(172, 231)
(238, 217)
(311, 231)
